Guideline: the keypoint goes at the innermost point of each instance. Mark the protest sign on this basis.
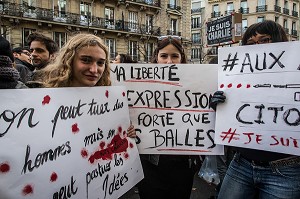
(262, 88)
(169, 106)
(66, 143)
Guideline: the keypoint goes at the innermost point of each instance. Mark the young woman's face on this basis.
(169, 55)
(88, 66)
(117, 60)
(259, 39)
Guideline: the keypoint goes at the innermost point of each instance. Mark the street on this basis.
(200, 190)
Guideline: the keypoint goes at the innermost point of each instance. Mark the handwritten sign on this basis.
(169, 106)
(262, 86)
(66, 143)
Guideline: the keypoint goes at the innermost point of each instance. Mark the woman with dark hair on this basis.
(168, 176)
(123, 58)
(256, 173)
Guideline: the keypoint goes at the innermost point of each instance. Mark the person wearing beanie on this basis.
(23, 63)
(9, 76)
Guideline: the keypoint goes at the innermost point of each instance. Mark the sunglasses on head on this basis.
(170, 37)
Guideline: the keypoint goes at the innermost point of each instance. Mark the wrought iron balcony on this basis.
(172, 32)
(294, 13)
(294, 33)
(148, 2)
(286, 30)
(262, 8)
(286, 11)
(196, 41)
(244, 10)
(215, 14)
(277, 8)
(174, 7)
(228, 12)
(195, 10)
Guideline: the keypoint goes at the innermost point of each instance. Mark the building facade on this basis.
(127, 26)
(285, 12)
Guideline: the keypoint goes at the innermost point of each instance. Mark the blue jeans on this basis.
(244, 180)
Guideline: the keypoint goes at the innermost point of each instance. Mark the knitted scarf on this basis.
(9, 76)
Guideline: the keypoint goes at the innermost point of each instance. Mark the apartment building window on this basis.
(173, 3)
(285, 26)
(244, 25)
(109, 17)
(85, 11)
(276, 19)
(286, 8)
(196, 6)
(261, 2)
(149, 51)
(261, 6)
(149, 23)
(195, 53)
(26, 32)
(260, 19)
(111, 45)
(133, 49)
(196, 38)
(244, 7)
(215, 12)
(294, 29)
(230, 8)
(295, 12)
(133, 21)
(3, 32)
(60, 38)
(60, 8)
(173, 29)
(196, 22)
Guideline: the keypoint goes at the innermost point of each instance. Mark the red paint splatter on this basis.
(126, 156)
(28, 189)
(239, 86)
(4, 167)
(84, 153)
(106, 94)
(46, 100)
(102, 145)
(119, 129)
(53, 177)
(229, 85)
(222, 86)
(248, 85)
(117, 145)
(123, 94)
(75, 128)
(131, 145)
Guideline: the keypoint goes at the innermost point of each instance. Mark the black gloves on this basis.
(217, 98)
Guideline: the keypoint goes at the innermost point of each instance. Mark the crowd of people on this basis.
(84, 62)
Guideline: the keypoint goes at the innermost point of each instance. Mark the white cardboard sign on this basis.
(66, 143)
(169, 106)
(262, 86)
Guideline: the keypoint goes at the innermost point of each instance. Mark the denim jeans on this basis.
(244, 180)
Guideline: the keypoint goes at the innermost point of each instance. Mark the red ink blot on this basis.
(53, 177)
(106, 94)
(239, 86)
(102, 145)
(222, 86)
(126, 156)
(28, 189)
(75, 128)
(248, 86)
(84, 153)
(131, 145)
(4, 167)
(119, 129)
(117, 145)
(46, 100)
(229, 85)
(123, 94)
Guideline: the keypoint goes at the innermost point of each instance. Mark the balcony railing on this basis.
(286, 11)
(277, 8)
(294, 13)
(148, 2)
(228, 12)
(196, 41)
(294, 33)
(174, 7)
(171, 32)
(215, 14)
(195, 10)
(286, 30)
(244, 10)
(49, 15)
(262, 8)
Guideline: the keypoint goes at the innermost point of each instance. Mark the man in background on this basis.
(23, 63)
